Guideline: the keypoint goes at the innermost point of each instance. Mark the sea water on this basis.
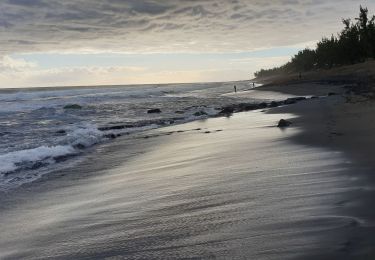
(38, 132)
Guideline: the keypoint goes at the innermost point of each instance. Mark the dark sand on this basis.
(224, 188)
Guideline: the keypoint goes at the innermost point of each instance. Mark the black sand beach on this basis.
(224, 188)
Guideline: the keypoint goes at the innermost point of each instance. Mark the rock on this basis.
(79, 146)
(73, 106)
(227, 111)
(332, 94)
(262, 105)
(154, 111)
(290, 101)
(284, 123)
(110, 136)
(200, 113)
(62, 132)
(314, 97)
(275, 104)
(247, 107)
(115, 127)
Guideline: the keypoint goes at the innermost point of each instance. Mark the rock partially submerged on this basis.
(276, 103)
(290, 101)
(115, 127)
(227, 111)
(200, 113)
(154, 111)
(243, 107)
(284, 123)
(73, 106)
(61, 132)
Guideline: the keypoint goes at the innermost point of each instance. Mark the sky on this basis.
(115, 42)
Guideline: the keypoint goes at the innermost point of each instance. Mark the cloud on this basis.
(21, 74)
(8, 64)
(167, 25)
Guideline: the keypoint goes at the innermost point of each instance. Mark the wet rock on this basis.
(200, 113)
(284, 123)
(37, 165)
(247, 107)
(154, 111)
(227, 111)
(262, 105)
(276, 103)
(110, 136)
(73, 106)
(115, 127)
(79, 146)
(290, 101)
(62, 158)
(61, 132)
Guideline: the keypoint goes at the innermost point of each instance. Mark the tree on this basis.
(355, 43)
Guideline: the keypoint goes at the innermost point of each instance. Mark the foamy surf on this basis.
(14, 161)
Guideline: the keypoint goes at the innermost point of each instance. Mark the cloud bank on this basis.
(139, 26)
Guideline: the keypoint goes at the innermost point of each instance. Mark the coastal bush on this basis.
(354, 44)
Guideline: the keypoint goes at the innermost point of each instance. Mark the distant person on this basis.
(235, 89)
(300, 75)
(253, 84)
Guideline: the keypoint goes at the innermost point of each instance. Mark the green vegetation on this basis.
(354, 44)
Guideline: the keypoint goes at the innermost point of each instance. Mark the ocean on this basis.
(42, 132)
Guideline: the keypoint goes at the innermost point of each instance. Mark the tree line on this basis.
(354, 44)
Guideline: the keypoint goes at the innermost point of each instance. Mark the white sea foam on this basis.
(86, 135)
(11, 161)
(78, 137)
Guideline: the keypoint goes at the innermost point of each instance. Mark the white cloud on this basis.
(68, 76)
(9, 64)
